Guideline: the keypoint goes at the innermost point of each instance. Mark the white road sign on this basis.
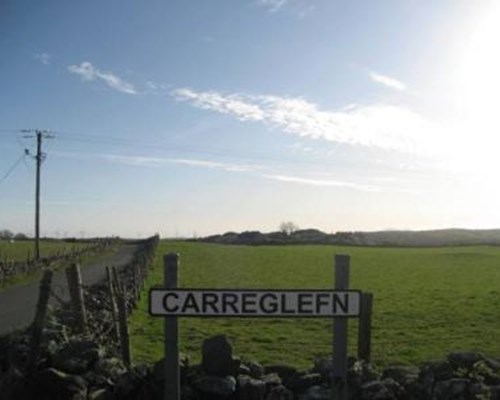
(253, 303)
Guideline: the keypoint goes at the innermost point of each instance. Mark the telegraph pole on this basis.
(39, 157)
(37, 193)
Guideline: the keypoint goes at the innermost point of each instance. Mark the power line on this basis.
(170, 147)
(12, 168)
(165, 146)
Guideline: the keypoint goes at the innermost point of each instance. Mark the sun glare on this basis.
(471, 140)
(477, 77)
(467, 144)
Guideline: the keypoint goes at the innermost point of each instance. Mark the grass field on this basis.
(19, 250)
(428, 301)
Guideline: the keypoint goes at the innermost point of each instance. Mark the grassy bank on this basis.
(20, 250)
(428, 302)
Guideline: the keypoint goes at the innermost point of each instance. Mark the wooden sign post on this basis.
(365, 327)
(172, 372)
(339, 388)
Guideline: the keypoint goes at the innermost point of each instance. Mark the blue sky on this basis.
(199, 117)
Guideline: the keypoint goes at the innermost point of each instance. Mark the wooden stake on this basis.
(122, 320)
(339, 391)
(118, 284)
(365, 327)
(124, 334)
(112, 300)
(135, 291)
(172, 372)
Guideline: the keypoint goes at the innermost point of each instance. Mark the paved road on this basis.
(17, 304)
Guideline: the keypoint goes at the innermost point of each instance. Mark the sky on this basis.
(190, 118)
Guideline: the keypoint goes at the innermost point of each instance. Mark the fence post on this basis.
(75, 287)
(172, 373)
(134, 287)
(339, 384)
(112, 301)
(41, 312)
(124, 334)
(118, 284)
(142, 274)
(137, 289)
(365, 327)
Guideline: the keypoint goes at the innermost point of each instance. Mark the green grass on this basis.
(20, 250)
(428, 301)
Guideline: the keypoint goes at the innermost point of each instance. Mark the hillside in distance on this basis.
(428, 238)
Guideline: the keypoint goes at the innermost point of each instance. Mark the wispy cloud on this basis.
(299, 7)
(257, 170)
(138, 161)
(44, 58)
(90, 73)
(387, 81)
(145, 161)
(272, 5)
(234, 104)
(155, 162)
(385, 126)
(322, 182)
(156, 88)
(217, 165)
(318, 179)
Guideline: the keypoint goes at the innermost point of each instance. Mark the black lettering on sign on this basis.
(210, 301)
(268, 306)
(249, 302)
(190, 303)
(165, 302)
(322, 301)
(305, 303)
(284, 310)
(340, 303)
(287, 303)
(229, 300)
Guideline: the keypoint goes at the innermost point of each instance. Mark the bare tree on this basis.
(288, 227)
(6, 234)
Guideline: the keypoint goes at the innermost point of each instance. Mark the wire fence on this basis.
(10, 268)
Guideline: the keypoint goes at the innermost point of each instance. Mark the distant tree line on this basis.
(6, 234)
(430, 238)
